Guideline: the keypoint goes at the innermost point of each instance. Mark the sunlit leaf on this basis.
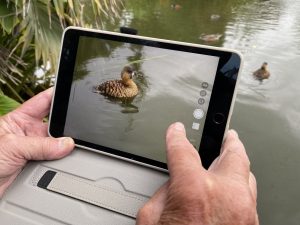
(71, 5)
(7, 104)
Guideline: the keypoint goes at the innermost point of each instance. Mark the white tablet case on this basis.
(123, 187)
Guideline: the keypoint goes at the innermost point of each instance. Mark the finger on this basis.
(256, 220)
(253, 185)
(182, 157)
(38, 106)
(37, 148)
(214, 164)
(150, 213)
(233, 159)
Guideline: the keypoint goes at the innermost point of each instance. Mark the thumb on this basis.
(233, 160)
(182, 157)
(38, 148)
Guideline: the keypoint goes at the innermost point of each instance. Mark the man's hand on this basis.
(223, 195)
(23, 137)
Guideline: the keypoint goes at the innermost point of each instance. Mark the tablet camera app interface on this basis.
(124, 96)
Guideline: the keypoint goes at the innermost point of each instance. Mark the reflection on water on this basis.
(266, 115)
(125, 103)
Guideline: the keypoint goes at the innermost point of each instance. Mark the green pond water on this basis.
(266, 114)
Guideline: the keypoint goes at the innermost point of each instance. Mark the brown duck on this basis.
(124, 88)
(210, 37)
(262, 73)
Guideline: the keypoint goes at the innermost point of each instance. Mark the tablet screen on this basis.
(171, 86)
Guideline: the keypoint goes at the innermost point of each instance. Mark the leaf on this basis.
(59, 7)
(9, 23)
(7, 104)
(3, 9)
(71, 5)
(8, 19)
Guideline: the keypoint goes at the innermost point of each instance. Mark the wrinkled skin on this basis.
(225, 194)
(23, 137)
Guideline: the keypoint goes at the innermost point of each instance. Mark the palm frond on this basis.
(43, 21)
(37, 25)
(10, 73)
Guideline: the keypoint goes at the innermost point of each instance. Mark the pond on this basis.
(266, 114)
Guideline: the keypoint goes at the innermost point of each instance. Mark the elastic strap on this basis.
(118, 201)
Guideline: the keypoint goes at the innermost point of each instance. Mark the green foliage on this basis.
(7, 104)
(31, 33)
(8, 20)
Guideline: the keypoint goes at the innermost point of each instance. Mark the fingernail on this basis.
(179, 126)
(65, 143)
(234, 133)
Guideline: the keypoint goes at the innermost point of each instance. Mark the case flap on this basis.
(26, 203)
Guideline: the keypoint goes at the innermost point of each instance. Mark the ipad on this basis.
(118, 93)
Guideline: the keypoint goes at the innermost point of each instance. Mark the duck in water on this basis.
(215, 17)
(175, 6)
(124, 88)
(262, 73)
(210, 37)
